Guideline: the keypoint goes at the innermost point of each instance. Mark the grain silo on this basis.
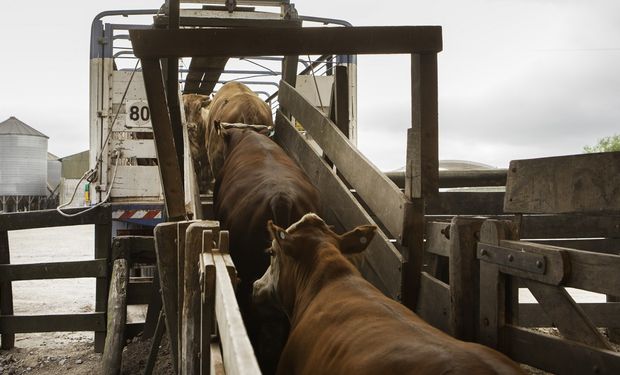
(23, 160)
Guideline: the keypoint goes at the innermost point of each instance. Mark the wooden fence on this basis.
(98, 268)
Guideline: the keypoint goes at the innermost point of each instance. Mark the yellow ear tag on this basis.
(282, 235)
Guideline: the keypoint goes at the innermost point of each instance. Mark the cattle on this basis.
(341, 324)
(233, 103)
(258, 182)
(196, 113)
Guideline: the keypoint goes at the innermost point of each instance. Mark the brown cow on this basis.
(341, 324)
(233, 103)
(196, 112)
(259, 182)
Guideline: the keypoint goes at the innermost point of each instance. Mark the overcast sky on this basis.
(517, 79)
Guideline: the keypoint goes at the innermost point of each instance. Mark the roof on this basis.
(51, 156)
(14, 126)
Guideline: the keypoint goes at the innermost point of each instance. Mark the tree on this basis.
(606, 144)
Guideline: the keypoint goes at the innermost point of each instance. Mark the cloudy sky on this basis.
(517, 79)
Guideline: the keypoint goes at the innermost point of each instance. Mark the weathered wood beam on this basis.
(295, 41)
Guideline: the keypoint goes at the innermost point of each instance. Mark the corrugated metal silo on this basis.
(54, 168)
(23, 159)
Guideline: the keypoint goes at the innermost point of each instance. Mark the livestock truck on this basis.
(123, 160)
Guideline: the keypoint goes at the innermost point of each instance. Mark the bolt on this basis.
(485, 321)
(539, 264)
(511, 257)
(483, 252)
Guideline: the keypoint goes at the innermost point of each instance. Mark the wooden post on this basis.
(154, 308)
(207, 305)
(169, 166)
(340, 100)
(464, 277)
(492, 286)
(165, 248)
(103, 247)
(289, 69)
(422, 168)
(7, 340)
(190, 328)
(180, 249)
(117, 317)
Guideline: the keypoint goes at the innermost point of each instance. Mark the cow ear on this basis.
(217, 126)
(357, 240)
(281, 237)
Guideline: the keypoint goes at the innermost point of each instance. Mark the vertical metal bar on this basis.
(7, 340)
(169, 169)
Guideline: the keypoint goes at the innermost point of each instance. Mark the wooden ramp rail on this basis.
(224, 345)
(97, 268)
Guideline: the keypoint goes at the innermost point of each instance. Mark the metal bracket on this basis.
(510, 258)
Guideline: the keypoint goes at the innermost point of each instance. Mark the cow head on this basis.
(297, 251)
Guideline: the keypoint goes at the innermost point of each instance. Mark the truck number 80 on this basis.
(137, 113)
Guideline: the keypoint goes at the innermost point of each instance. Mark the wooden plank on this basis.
(460, 178)
(434, 302)
(169, 166)
(190, 316)
(413, 242)
(557, 355)
(340, 99)
(567, 316)
(601, 314)
(570, 226)
(557, 266)
(422, 168)
(117, 317)
(289, 69)
(167, 258)
(103, 250)
(137, 249)
(295, 41)
(217, 362)
(7, 340)
(381, 195)
(599, 245)
(339, 203)
(51, 218)
(438, 238)
(12, 324)
(56, 270)
(139, 293)
(464, 277)
(466, 203)
(492, 286)
(207, 312)
(586, 183)
(594, 272)
(180, 249)
(237, 351)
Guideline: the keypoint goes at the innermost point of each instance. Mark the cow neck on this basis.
(327, 266)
